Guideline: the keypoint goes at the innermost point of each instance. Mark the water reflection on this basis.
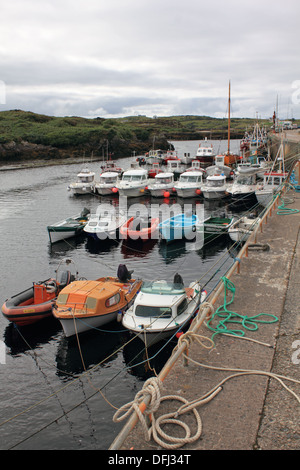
(75, 355)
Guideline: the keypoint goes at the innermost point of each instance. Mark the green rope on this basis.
(227, 316)
(282, 210)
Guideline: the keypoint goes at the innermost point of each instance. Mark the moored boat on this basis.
(272, 182)
(133, 183)
(215, 187)
(162, 185)
(85, 183)
(181, 226)
(87, 304)
(70, 227)
(161, 309)
(189, 184)
(242, 228)
(105, 224)
(214, 226)
(106, 186)
(35, 303)
(136, 228)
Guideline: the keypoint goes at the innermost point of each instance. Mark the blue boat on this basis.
(179, 227)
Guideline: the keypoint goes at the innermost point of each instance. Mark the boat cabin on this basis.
(157, 299)
(134, 176)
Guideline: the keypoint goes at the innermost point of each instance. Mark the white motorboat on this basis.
(215, 187)
(244, 186)
(70, 227)
(162, 185)
(189, 184)
(133, 183)
(219, 167)
(161, 309)
(85, 183)
(107, 184)
(175, 167)
(242, 228)
(105, 224)
(205, 153)
(272, 182)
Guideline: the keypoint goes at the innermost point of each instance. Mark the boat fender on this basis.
(194, 228)
(119, 316)
(51, 286)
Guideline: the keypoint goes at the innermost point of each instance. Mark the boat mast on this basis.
(228, 151)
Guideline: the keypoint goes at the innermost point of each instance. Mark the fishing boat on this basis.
(111, 166)
(85, 183)
(219, 167)
(272, 182)
(140, 228)
(87, 304)
(70, 227)
(215, 187)
(105, 224)
(35, 303)
(161, 309)
(244, 186)
(133, 183)
(162, 186)
(106, 186)
(205, 153)
(214, 226)
(175, 167)
(154, 170)
(273, 179)
(189, 184)
(242, 228)
(181, 226)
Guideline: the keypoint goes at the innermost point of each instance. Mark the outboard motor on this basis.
(66, 278)
(178, 279)
(123, 274)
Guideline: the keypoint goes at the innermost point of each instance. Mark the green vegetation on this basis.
(25, 135)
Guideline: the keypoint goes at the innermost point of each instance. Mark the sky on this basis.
(116, 58)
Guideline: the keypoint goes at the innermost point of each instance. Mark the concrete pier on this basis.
(251, 411)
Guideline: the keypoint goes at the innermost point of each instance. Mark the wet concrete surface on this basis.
(251, 411)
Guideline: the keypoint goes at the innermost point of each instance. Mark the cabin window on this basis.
(182, 307)
(155, 312)
(62, 299)
(91, 303)
(114, 300)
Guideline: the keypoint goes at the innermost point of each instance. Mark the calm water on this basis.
(48, 400)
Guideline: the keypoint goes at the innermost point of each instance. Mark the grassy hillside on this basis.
(26, 135)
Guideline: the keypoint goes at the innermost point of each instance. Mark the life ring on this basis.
(51, 286)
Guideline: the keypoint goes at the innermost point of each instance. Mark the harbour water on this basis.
(59, 393)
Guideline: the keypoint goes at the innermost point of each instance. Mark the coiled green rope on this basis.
(228, 316)
(283, 210)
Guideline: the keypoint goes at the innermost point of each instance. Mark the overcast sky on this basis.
(113, 58)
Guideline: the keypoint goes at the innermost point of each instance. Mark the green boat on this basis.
(69, 227)
(213, 226)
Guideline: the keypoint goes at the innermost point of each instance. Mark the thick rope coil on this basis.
(150, 388)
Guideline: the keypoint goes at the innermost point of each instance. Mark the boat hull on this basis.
(178, 228)
(188, 192)
(85, 305)
(132, 192)
(27, 313)
(148, 233)
(213, 195)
